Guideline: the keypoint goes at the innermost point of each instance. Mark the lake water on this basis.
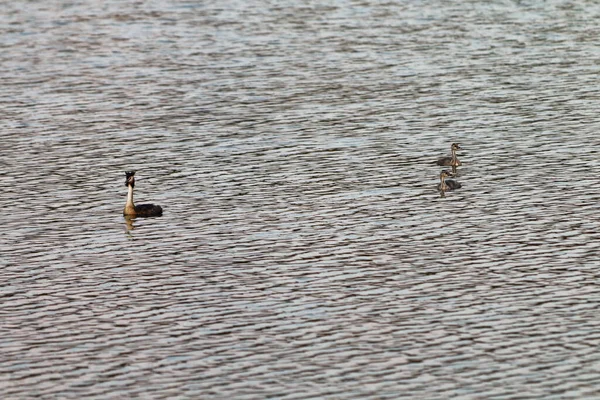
(304, 251)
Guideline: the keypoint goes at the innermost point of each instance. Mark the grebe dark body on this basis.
(142, 210)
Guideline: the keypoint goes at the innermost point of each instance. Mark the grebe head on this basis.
(445, 173)
(456, 146)
(129, 178)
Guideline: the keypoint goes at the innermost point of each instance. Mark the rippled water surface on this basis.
(304, 250)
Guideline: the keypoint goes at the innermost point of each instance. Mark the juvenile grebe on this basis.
(452, 160)
(447, 184)
(143, 210)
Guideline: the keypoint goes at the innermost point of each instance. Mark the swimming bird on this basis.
(447, 184)
(452, 160)
(142, 210)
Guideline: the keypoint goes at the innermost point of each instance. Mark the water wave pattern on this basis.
(304, 250)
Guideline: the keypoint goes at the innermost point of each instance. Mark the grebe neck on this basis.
(130, 196)
(454, 159)
(442, 182)
(129, 206)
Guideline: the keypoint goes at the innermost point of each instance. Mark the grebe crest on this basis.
(451, 161)
(447, 184)
(142, 210)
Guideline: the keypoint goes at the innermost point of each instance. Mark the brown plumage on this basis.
(142, 210)
(451, 161)
(447, 185)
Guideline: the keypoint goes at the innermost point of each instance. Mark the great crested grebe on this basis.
(452, 160)
(447, 184)
(143, 210)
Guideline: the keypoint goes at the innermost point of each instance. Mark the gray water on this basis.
(304, 251)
